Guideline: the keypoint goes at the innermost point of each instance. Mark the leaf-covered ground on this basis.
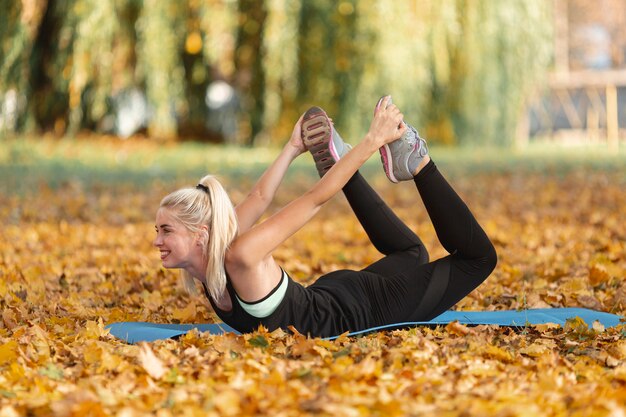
(75, 254)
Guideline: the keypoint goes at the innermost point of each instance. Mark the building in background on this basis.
(585, 98)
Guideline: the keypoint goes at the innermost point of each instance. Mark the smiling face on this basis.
(179, 247)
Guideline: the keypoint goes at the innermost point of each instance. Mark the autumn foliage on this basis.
(77, 255)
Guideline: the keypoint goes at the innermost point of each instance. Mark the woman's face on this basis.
(178, 246)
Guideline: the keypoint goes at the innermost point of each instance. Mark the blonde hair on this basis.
(211, 207)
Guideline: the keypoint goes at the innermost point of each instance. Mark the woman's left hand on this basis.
(296, 137)
(387, 124)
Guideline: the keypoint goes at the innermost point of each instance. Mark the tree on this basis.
(250, 72)
(459, 69)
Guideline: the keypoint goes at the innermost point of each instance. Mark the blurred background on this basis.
(466, 72)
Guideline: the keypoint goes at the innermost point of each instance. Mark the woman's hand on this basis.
(296, 137)
(387, 124)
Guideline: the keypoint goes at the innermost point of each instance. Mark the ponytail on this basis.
(208, 205)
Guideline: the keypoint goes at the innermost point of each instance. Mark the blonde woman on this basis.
(223, 247)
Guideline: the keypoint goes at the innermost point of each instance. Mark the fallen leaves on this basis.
(74, 258)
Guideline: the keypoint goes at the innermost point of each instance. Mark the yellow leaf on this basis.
(598, 274)
(534, 350)
(302, 346)
(228, 342)
(576, 325)
(92, 352)
(8, 352)
(15, 373)
(9, 319)
(326, 343)
(185, 315)
(94, 329)
(544, 327)
(497, 353)
(458, 329)
(538, 348)
(149, 361)
(110, 361)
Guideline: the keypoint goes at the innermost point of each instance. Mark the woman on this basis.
(199, 231)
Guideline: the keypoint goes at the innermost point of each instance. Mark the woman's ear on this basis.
(203, 237)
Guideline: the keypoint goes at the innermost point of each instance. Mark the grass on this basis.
(26, 162)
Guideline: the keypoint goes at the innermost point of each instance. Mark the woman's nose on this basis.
(157, 241)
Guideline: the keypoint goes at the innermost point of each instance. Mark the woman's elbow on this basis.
(316, 199)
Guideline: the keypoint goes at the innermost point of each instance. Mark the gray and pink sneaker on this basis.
(402, 157)
(322, 140)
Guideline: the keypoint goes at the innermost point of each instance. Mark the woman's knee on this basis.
(421, 253)
(491, 258)
(487, 263)
(478, 268)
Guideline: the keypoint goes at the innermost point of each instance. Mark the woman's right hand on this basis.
(296, 137)
(387, 124)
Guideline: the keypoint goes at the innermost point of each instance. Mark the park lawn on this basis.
(75, 254)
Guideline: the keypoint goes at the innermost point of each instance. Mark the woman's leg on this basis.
(472, 255)
(403, 290)
(385, 230)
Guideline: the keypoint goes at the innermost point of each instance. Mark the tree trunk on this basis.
(250, 73)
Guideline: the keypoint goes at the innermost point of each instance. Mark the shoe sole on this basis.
(387, 160)
(317, 135)
(385, 153)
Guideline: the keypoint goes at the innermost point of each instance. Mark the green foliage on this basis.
(459, 69)
(160, 26)
(249, 57)
(92, 61)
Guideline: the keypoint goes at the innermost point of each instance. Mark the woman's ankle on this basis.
(422, 164)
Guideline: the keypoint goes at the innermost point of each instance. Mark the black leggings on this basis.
(411, 288)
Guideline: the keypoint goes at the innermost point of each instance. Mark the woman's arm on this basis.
(262, 194)
(256, 245)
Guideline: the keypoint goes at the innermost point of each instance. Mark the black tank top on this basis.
(329, 307)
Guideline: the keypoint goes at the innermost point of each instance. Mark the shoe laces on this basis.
(415, 141)
(412, 138)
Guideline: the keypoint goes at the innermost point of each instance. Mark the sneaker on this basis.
(322, 140)
(402, 157)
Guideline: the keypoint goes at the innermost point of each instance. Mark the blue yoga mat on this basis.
(133, 332)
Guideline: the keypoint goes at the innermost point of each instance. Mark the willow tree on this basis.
(64, 69)
(459, 69)
(18, 33)
(37, 46)
(161, 39)
(249, 56)
(92, 64)
(329, 57)
(282, 105)
(484, 56)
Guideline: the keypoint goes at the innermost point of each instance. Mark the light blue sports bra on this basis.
(268, 304)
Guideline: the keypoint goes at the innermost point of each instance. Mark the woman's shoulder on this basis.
(253, 281)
